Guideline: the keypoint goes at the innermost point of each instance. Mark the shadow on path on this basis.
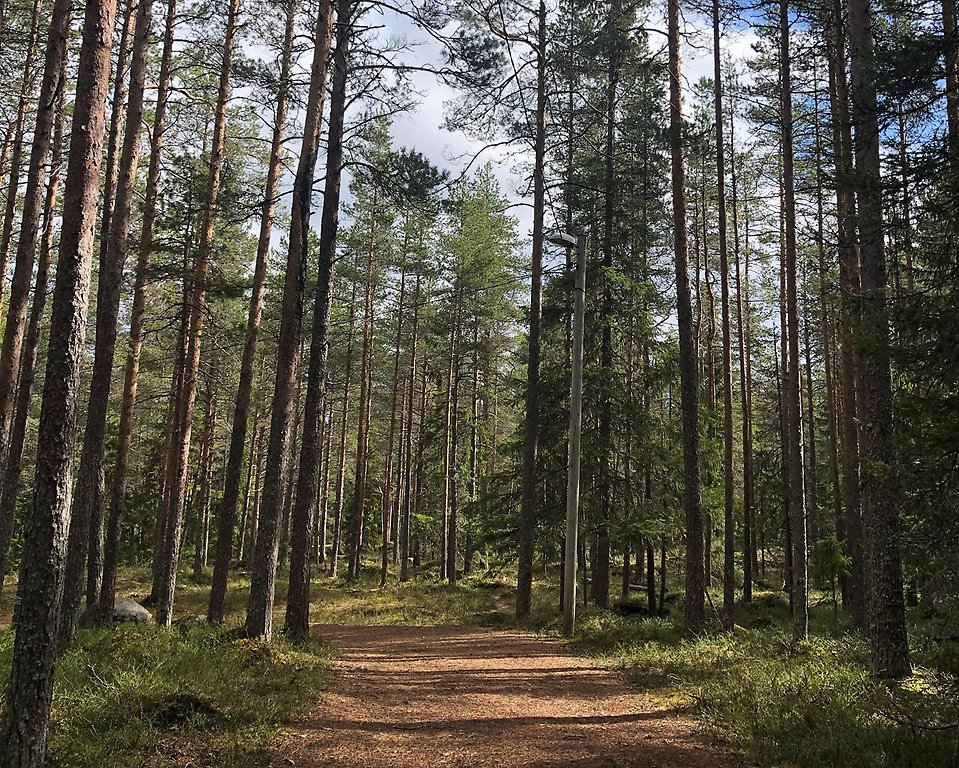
(426, 697)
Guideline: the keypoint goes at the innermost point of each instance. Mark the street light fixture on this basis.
(575, 427)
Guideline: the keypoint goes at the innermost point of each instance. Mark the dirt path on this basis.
(426, 697)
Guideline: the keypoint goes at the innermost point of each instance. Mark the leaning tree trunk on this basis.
(226, 520)
(87, 506)
(729, 521)
(28, 364)
(51, 88)
(26, 717)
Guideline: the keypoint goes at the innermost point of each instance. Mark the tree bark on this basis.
(298, 598)
(26, 717)
(86, 513)
(528, 500)
(226, 519)
(889, 645)
(193, 324)
(689, 384)
(51, 88)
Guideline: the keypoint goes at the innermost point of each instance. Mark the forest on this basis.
(301, 421)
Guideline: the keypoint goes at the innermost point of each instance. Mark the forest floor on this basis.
(443, 696)
(442, 675)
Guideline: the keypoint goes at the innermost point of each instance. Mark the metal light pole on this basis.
(575, 429)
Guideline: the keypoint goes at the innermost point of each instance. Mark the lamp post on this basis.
(575, 427)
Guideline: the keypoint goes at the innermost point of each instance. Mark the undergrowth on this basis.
(778, 703)
(205, 697)
(158, 698)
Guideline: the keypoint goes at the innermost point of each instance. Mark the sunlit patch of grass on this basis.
(418, 602)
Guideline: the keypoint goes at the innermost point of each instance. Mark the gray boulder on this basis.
(124, 609)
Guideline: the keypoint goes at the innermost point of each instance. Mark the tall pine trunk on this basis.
(31, 348)
(792, 385)
(363, 413)
(689, 380)
(729, 521)
(51, 88)
(297, 620)
(339, 500)
(26, 716)
(86, 514)
(202, 506)
(386, 524)
(889, 644)
(850, 377)
(528, 500)
(259, 619)
(226, 520)
(137, 316)
(193, 321)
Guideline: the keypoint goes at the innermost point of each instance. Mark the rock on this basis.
(189, 622)
(124, 609)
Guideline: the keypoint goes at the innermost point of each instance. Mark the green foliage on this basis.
(144, 696)
(828, 561)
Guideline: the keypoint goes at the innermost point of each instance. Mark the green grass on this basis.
(777, 703)
(163, 698)
(142, 696)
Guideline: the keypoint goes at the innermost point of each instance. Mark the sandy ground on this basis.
(426, 697)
